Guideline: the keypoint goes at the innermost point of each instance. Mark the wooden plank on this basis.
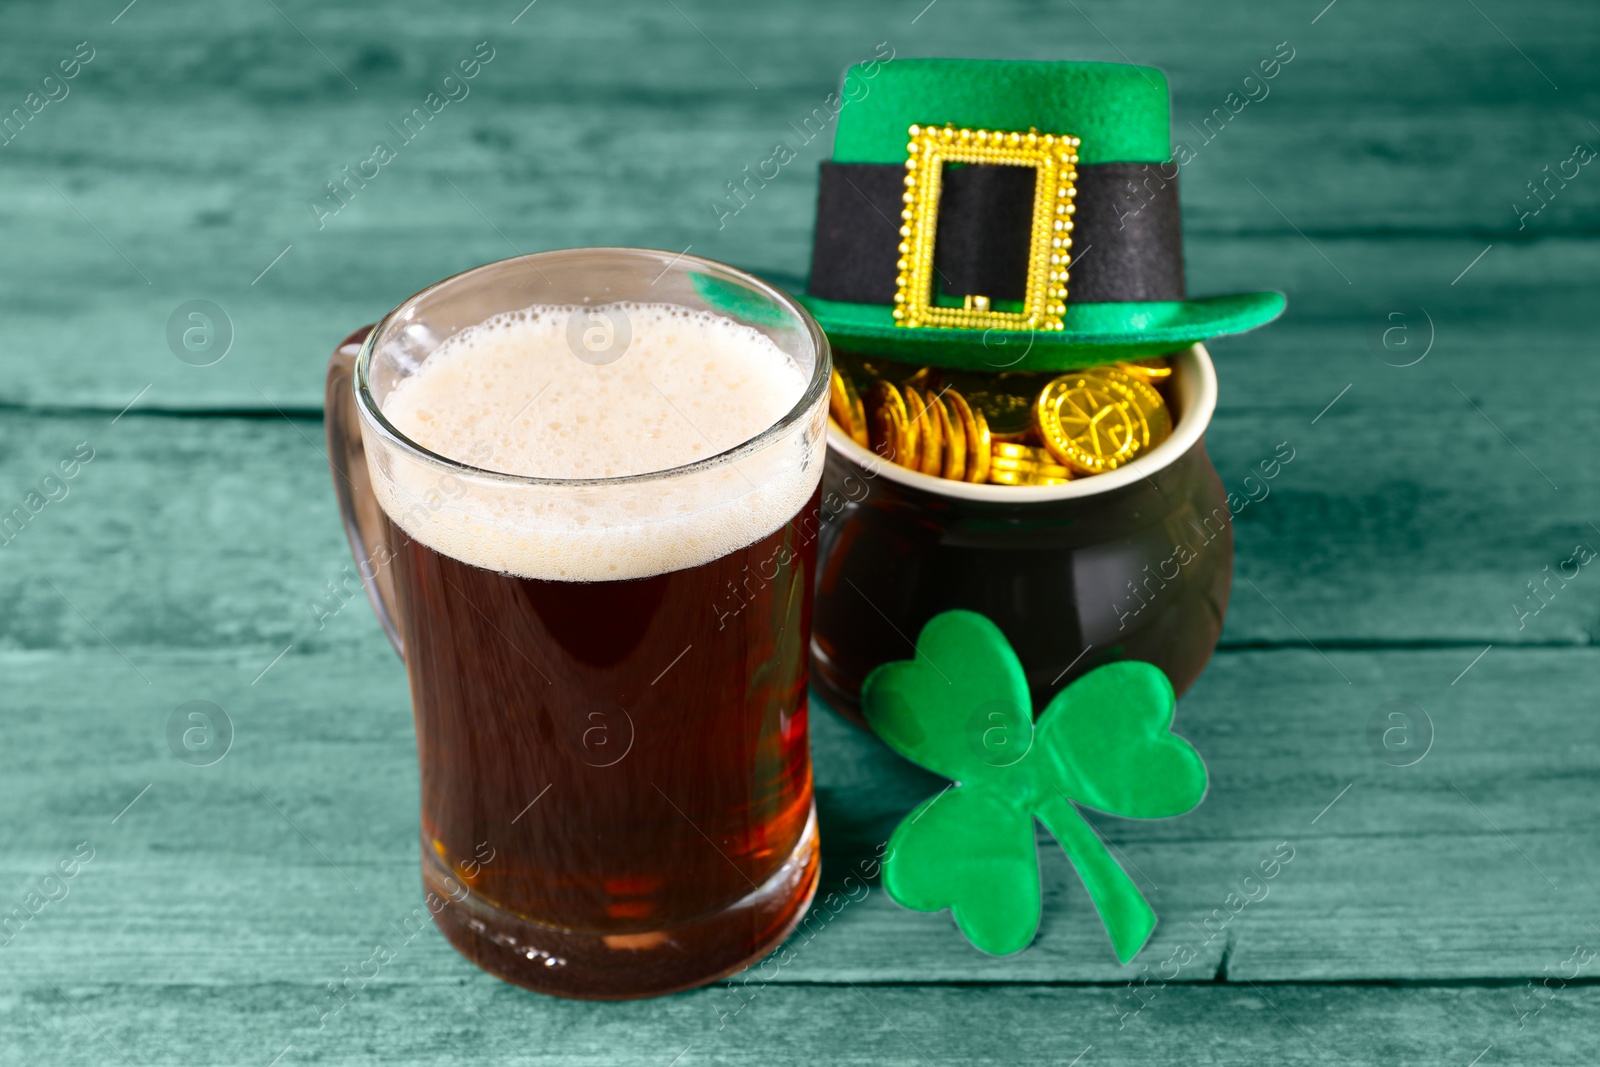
(224, 530)
(1380, 176)
(406, 1018)
(299, 846)
(1518, 298)
(1376, 134)
(178, 176)
(1522, 300)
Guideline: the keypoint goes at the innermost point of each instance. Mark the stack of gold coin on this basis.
(1008, 428)
(1014, 464)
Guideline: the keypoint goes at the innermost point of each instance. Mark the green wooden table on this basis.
(1439, 913)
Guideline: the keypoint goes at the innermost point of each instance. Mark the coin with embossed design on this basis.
(1090, 424)
(1158, 420)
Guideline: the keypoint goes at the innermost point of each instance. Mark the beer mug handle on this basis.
(358, 507)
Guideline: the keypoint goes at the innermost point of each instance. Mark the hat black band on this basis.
(1127, 240)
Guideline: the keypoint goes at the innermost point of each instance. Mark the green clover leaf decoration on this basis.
(961, 709)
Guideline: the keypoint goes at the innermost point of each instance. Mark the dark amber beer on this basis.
(598, 566)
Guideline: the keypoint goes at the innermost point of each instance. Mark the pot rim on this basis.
(1196, 388)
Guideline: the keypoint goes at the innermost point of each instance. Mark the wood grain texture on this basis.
(408, 1019)
(412, 1019)
(109, 349)
(1382, 175)
(183, 161)
(222, 532)
(299, 846)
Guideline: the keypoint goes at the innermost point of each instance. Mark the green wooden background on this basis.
(1439, 913)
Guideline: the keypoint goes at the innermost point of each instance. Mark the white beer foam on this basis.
(511, 395)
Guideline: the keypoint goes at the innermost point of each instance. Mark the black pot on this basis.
(1133, 564)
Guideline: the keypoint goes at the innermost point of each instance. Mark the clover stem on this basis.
(1128, 918)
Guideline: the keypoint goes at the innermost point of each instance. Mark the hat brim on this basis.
(1093, 333)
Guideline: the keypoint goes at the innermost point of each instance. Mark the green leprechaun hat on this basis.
(982, 214)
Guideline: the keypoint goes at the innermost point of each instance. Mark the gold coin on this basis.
(1090, 424)
(1050, 469)
(1030, 458)
(975, 431)
(1005, 400)
(929, 450)
(913, 456)
(1083, 422)
(844, 405)
(858, 411)
(954, 432)
(1158, 419)
(838, 405)
(889, 425)
(884, 430)
(1012, 450)
(1149, 370)
(1008, 428)
(999, 477)
(1030, 470)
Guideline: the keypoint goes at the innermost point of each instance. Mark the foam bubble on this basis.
(620, 390)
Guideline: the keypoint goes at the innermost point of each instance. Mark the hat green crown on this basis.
(1119, 111)
(1121, 114)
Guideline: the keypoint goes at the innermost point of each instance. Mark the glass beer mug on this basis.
(608, 672)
